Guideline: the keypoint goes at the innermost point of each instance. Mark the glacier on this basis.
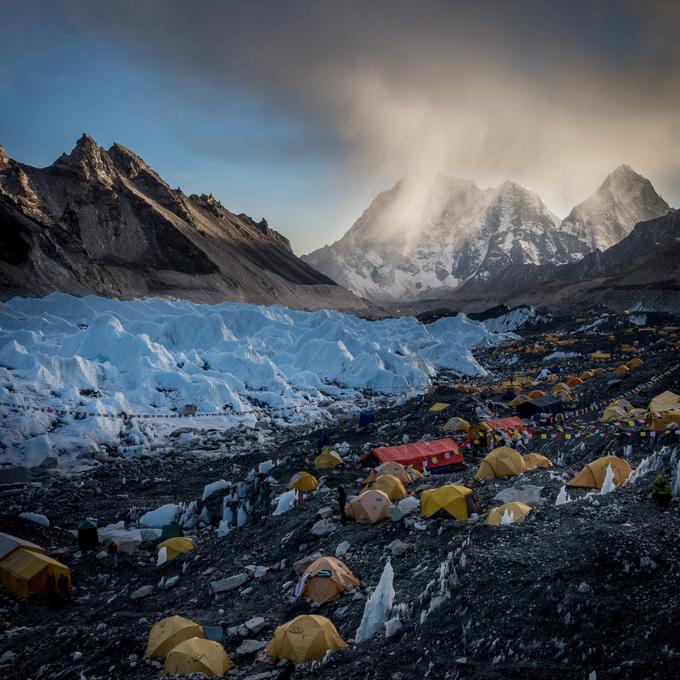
(174, 362)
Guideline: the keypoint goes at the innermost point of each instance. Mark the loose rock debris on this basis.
(586, 583)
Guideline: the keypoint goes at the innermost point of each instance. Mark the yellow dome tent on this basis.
(666, 401)
(198, 655)
(303, 481)
(613, 413)
(437, 407)
(553, 377)
(634, 362)
(519, 399)
(536, 460)
(536, 394)
(305, 638)
(621, 370)
(600, 356)
(177, 546)
(457, 425)
(501, 462)
(560, 387)
(326, 579)
(456, 501)
(26, 571)
(574, 381)
(167, 633)
(517, 511)
(593, 474)
(586, 375)
(623, 404)
(405, 474)
(368, 507)
(391, 485)
(327, 459)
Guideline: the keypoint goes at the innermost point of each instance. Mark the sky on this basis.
(302, 111)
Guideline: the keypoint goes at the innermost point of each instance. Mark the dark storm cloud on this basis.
(553, 96)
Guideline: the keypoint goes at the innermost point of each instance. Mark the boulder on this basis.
(324, 527)
(255, 624)
(341, 549)
(526, 493)
(250, 647)
(230, 583)
(398, 548)
(142, 592)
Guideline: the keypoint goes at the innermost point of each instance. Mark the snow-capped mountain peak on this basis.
(421, 237)
(622, 200)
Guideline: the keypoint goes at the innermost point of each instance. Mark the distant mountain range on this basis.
(642, 271)
(102, 221)
(413, 242)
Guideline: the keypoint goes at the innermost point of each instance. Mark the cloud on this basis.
(553, 97)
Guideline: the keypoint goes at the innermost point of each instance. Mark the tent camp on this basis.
(328, 458)
(168, 633)
(404, 474)
(574, 381)
(437, 455)
(437, 407)
(621, 370)
(305, 638)
(546, 404)
(303, 481)
(536, 460)
(198, 655)
(634, 362)
(536, 394)
(592, 475)
(177, 546)
(389, 484)
(325, 580)
(452, 500)
(368, 507)
(366, 418)
(24, 572)
(514, 511)
(501, 462)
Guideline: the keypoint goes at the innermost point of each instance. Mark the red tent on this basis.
(436, 454)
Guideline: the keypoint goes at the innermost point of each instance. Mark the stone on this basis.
(398, 548)
(170, 582)
(341, 549)
(247, 591)
(300, 565)
(15, 474)
(324, 527)
(255, 624)
(250, 647)
(144, 591)
(230, 583)
(256, 571)
(526, 493)
(326, 512)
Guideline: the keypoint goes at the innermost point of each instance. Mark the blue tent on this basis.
(366, 418)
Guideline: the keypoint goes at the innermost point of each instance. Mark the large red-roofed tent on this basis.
(435, 454)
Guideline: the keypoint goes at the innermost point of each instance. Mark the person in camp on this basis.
(662, 492)
(342, 501)
(112, 550)
(55, 600)
(64, 587)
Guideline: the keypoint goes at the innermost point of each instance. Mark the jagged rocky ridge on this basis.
(410, 242)
(102, 221)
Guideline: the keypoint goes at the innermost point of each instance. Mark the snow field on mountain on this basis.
(241, 361)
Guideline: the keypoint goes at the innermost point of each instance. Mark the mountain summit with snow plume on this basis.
(413, 240)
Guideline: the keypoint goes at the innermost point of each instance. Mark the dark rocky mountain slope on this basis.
(103, 222)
